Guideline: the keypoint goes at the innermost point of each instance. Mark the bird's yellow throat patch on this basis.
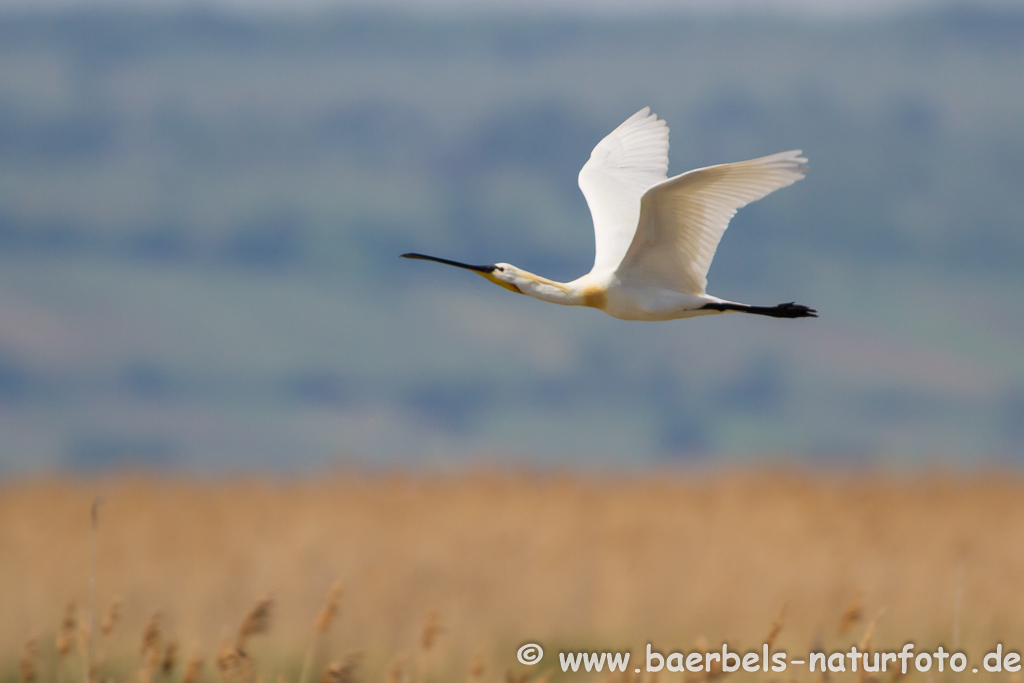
(502, 283)
(595, 297)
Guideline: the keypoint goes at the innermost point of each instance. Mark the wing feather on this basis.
(682, 219)
(624, 165)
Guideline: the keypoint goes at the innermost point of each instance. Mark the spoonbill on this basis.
(655, 236)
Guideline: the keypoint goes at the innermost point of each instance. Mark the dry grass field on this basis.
(443, 576)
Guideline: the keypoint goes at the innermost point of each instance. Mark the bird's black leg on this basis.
(790, 310)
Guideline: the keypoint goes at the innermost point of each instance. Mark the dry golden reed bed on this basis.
(443, 576)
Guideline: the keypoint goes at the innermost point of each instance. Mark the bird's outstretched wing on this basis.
(624, 165)
(683, 218)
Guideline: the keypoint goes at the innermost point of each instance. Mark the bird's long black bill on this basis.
(449, 262)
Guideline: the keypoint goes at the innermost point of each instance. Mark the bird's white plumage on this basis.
(654, 236)
(623, 166)
(682, 219)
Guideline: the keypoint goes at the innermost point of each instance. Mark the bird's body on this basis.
(607, 293)
(654, 236)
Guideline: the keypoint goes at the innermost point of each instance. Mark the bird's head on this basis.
(502, 274)
(506, 275)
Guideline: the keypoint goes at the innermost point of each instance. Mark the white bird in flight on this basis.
(655, 236)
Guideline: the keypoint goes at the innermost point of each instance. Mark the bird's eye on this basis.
(500, 268)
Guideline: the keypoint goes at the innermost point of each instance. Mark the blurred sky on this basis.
(202, 211)
(810, 8)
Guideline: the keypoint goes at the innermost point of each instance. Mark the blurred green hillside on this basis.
(201, 213)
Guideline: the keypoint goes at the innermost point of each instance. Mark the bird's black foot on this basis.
(790, 310)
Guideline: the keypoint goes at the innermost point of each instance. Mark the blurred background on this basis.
(202, 207)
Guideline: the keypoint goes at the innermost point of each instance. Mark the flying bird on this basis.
(655, 236)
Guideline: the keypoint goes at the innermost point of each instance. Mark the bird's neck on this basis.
(579, 292)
